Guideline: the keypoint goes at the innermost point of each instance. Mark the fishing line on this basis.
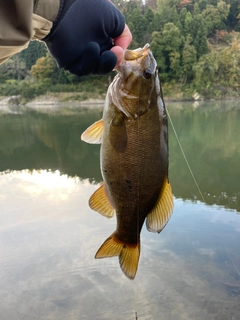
(138, 204)
(184, 156)
(135, 314)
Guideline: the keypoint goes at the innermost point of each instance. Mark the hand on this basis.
(83, 37)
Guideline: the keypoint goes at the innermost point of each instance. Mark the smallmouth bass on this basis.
(134, 158)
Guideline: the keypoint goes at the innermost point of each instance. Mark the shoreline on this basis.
(53, 101)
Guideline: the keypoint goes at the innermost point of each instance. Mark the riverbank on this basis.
(63, 98)
(75, 99)
(49, 100)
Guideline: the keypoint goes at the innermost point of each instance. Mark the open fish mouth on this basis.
(137, 53)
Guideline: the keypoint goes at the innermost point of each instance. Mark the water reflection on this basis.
(49, 236)
(34, 140)
(209, 136)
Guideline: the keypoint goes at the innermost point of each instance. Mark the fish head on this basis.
(135, 81)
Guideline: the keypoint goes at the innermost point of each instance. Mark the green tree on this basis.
(196, 9)
(166, 48)
(171, 37)
(138, 26)
(34, 51)
(189, 58)
(215, 17)
(234, 15)
(14, 68)
(157, 48)
(199, 35)
(156, 24)
(188, 24)
(218, 70)
(149, 15)
(44, 68)
(182, 16)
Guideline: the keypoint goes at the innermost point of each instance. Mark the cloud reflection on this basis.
(48, 238)
(41, 194)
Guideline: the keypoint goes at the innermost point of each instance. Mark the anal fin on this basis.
(128, 254)
(161, 213)
(99, 202)
(93, 134)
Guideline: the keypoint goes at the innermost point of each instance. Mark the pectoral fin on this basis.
(128, 254)
(161, 213)
(99, 202)
(93, 134)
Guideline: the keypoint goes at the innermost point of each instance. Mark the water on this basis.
(49, 235)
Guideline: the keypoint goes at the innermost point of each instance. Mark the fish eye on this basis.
(147, 74)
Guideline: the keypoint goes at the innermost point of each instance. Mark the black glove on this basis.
(83, 34)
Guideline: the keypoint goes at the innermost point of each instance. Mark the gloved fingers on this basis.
(88, 62)
(107, 62)
(91, 62)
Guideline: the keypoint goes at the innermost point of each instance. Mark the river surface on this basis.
(49, 235)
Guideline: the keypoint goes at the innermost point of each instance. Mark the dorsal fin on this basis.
(161, 213)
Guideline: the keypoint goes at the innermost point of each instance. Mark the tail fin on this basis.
(128, 254)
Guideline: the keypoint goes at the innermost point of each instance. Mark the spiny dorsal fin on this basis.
(161, 213)
(100, 202)
(128, 254)
(93, 134)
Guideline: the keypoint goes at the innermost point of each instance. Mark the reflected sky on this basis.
(49, 235)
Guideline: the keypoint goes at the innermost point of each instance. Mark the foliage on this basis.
(29, 89)
(44, 68)
(166, 47)
(219, 70)
(189, 58)
(13, 68)
(35, 50)
(214, 17)
(193, 42)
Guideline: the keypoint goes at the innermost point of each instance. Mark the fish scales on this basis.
(135, 183)
(134, 158)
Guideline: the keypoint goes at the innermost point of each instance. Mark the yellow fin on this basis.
(100, 202)
(161, 213)
(128, 254)
(93, 134)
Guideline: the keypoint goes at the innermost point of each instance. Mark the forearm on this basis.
(23, 20)
(79, 34)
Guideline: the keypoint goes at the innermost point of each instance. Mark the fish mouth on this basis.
(130, 55)
(140, 59)
(134, 82)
